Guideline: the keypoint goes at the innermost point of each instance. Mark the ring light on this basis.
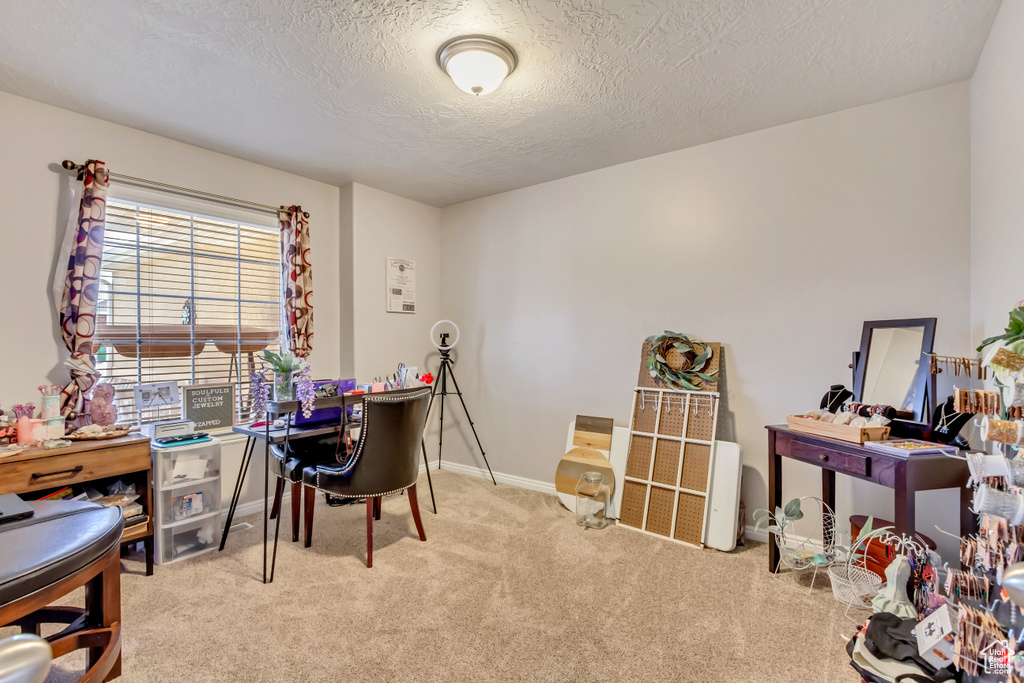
(439, 347)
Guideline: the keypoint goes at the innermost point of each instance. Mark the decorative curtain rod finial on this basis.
(69, 165)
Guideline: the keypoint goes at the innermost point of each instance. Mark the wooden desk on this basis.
(40, 470)
(906, 476)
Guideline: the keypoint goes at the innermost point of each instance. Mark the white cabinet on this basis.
(186, 493)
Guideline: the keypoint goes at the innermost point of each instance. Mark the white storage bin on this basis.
(189, 463)
(189, 500)
(187, 539)
(186, 493)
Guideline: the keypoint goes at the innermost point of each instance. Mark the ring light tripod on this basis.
(445, 372)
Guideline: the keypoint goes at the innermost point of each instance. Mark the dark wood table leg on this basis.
(148, 545)
(103, 607)
(774, 496)
(828, 496)
(906, 496)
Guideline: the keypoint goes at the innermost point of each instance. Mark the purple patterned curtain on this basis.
(81, 286)
(297, 280)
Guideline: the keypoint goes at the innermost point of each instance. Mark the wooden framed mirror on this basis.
(891, 367)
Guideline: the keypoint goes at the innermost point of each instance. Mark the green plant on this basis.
(282, 363)
(778, 520)
(693, 357)
(1014, 330)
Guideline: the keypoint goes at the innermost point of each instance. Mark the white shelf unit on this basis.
(187, 508)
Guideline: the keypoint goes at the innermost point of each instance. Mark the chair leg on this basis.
(296, 509)
(275, 509)
(309, 499)
(376, 508)
(369, 531)
(414, 504)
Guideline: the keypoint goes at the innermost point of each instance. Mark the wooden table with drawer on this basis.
(38, 470)
(906, 476)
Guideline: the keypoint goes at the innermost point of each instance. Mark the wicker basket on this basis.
(854, 586)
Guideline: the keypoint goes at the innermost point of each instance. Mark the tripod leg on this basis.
(440, 431)
(471, 426)
(426, 462)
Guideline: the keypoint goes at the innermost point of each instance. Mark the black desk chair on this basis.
(385, 460)
(288, 467)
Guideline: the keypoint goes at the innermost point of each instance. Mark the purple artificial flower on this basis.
(260, 394)
(304, 389)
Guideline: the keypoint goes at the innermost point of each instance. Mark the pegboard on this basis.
(689, 519)
(696, 461)
(673, 415)
(634, 499)
(645, 412)
(669, 463)
(659, 511)
(666, 462)
(638, 464)
(701, 418)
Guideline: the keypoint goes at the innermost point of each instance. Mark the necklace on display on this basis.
(945, 418)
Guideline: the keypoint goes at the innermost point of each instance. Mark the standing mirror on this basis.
(892, 369)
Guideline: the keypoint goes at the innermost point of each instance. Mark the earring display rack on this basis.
(669, 465)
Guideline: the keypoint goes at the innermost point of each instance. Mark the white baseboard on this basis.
(255, 507)
(761, 535)
(481, 473)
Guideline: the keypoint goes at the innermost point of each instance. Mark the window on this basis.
(185, 296)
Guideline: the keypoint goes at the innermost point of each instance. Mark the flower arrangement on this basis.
(260, 393)
(303, 383)
(304, 389)
(678, 361)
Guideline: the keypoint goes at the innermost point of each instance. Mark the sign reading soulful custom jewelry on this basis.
(210, 406)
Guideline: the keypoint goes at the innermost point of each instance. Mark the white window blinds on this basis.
(191, 293)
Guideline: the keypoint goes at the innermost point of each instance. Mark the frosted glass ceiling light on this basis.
(477, 64)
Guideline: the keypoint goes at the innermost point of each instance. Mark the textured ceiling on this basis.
(343, 90)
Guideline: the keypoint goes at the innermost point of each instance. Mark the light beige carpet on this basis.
(506, 588)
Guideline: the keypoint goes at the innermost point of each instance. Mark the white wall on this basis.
(35, 138)
(779, 244)
(385, 225)
(997, 174)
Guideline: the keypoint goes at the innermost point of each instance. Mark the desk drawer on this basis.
(71, 468)
(829, 459)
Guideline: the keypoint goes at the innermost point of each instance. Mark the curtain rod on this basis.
(72, 166)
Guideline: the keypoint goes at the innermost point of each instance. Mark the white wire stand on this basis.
(853, 584)
(799, 554)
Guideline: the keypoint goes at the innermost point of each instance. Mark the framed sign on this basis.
(162, 395)
(401, 286)
(210, 406)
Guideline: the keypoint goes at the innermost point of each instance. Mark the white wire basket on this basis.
(853, 585)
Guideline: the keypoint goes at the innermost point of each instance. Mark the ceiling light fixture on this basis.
(477, 64)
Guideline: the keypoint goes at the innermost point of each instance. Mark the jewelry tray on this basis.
(841, 432)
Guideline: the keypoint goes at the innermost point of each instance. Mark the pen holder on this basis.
(50, 407)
